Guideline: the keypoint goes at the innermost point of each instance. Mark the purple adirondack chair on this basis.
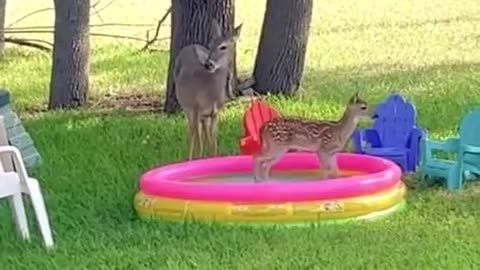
(394, 136)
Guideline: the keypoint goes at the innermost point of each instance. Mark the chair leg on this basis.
(469, 175)
(40, 212)
(454, 181)
(426, 178)
(403, 164)
(461, 175)
(19, 216)
(412, 165)
(423, 176)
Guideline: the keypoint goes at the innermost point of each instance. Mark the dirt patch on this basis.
(130, 102)
(126, 102)
(135, 102)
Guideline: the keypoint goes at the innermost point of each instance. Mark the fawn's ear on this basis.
(215, 30)
(201, 54)
(354, 98)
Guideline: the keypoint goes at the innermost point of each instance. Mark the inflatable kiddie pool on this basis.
(203, 190)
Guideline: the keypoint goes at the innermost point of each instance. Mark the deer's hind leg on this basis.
(258, 163)
(263, 162)
(195, 135)
(258, 174)
(268, 164)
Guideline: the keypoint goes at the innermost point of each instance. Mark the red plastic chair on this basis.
(258, 114)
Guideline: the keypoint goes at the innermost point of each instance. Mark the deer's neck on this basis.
(346, 125)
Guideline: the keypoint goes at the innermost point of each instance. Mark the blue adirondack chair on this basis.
(465, 150)
(394, 136)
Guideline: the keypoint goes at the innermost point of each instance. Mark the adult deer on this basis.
(200, 77)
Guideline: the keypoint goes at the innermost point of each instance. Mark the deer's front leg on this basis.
(191, 136)
(333, 166)
(324, 164)
(195, 135)
(214, 134)
(210, 129)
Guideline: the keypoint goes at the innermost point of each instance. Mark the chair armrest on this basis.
(14, 153)
(414, 142)
(416, 136)
(450, 145)
(428, 146)
(469, 149)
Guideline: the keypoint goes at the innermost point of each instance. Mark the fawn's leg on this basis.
(259, 160)
(325, 164)
(270, 158)
(258, 168)
(332, 166)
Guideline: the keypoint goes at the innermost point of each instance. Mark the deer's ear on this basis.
(354, 98)
(216, 30)
(236, 32)
(201, 54)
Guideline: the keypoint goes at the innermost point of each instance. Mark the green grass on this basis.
(428, 50)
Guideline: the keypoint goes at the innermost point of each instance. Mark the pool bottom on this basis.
(276, 175)
(340, 210)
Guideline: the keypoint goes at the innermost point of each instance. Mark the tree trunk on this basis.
(190, 23)
(283, 44)
(3, 11)
(70, 67)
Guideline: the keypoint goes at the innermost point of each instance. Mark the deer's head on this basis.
(220, 48)
(358, 108)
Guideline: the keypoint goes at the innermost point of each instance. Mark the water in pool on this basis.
(281, 176)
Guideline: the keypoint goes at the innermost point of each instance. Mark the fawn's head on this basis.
(358, 108)
(220, 48)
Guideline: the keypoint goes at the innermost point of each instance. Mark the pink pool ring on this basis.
(171, 192)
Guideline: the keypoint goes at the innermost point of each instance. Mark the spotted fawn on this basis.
(326, 138)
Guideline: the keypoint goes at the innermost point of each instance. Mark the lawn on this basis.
(426, 50)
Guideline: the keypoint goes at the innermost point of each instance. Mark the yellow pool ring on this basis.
(288, 212)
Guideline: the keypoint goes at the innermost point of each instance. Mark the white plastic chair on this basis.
(14, 183)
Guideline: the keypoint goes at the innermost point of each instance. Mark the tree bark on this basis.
(283, 44)
(190, 23)
(3, 11)
(70, 67)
